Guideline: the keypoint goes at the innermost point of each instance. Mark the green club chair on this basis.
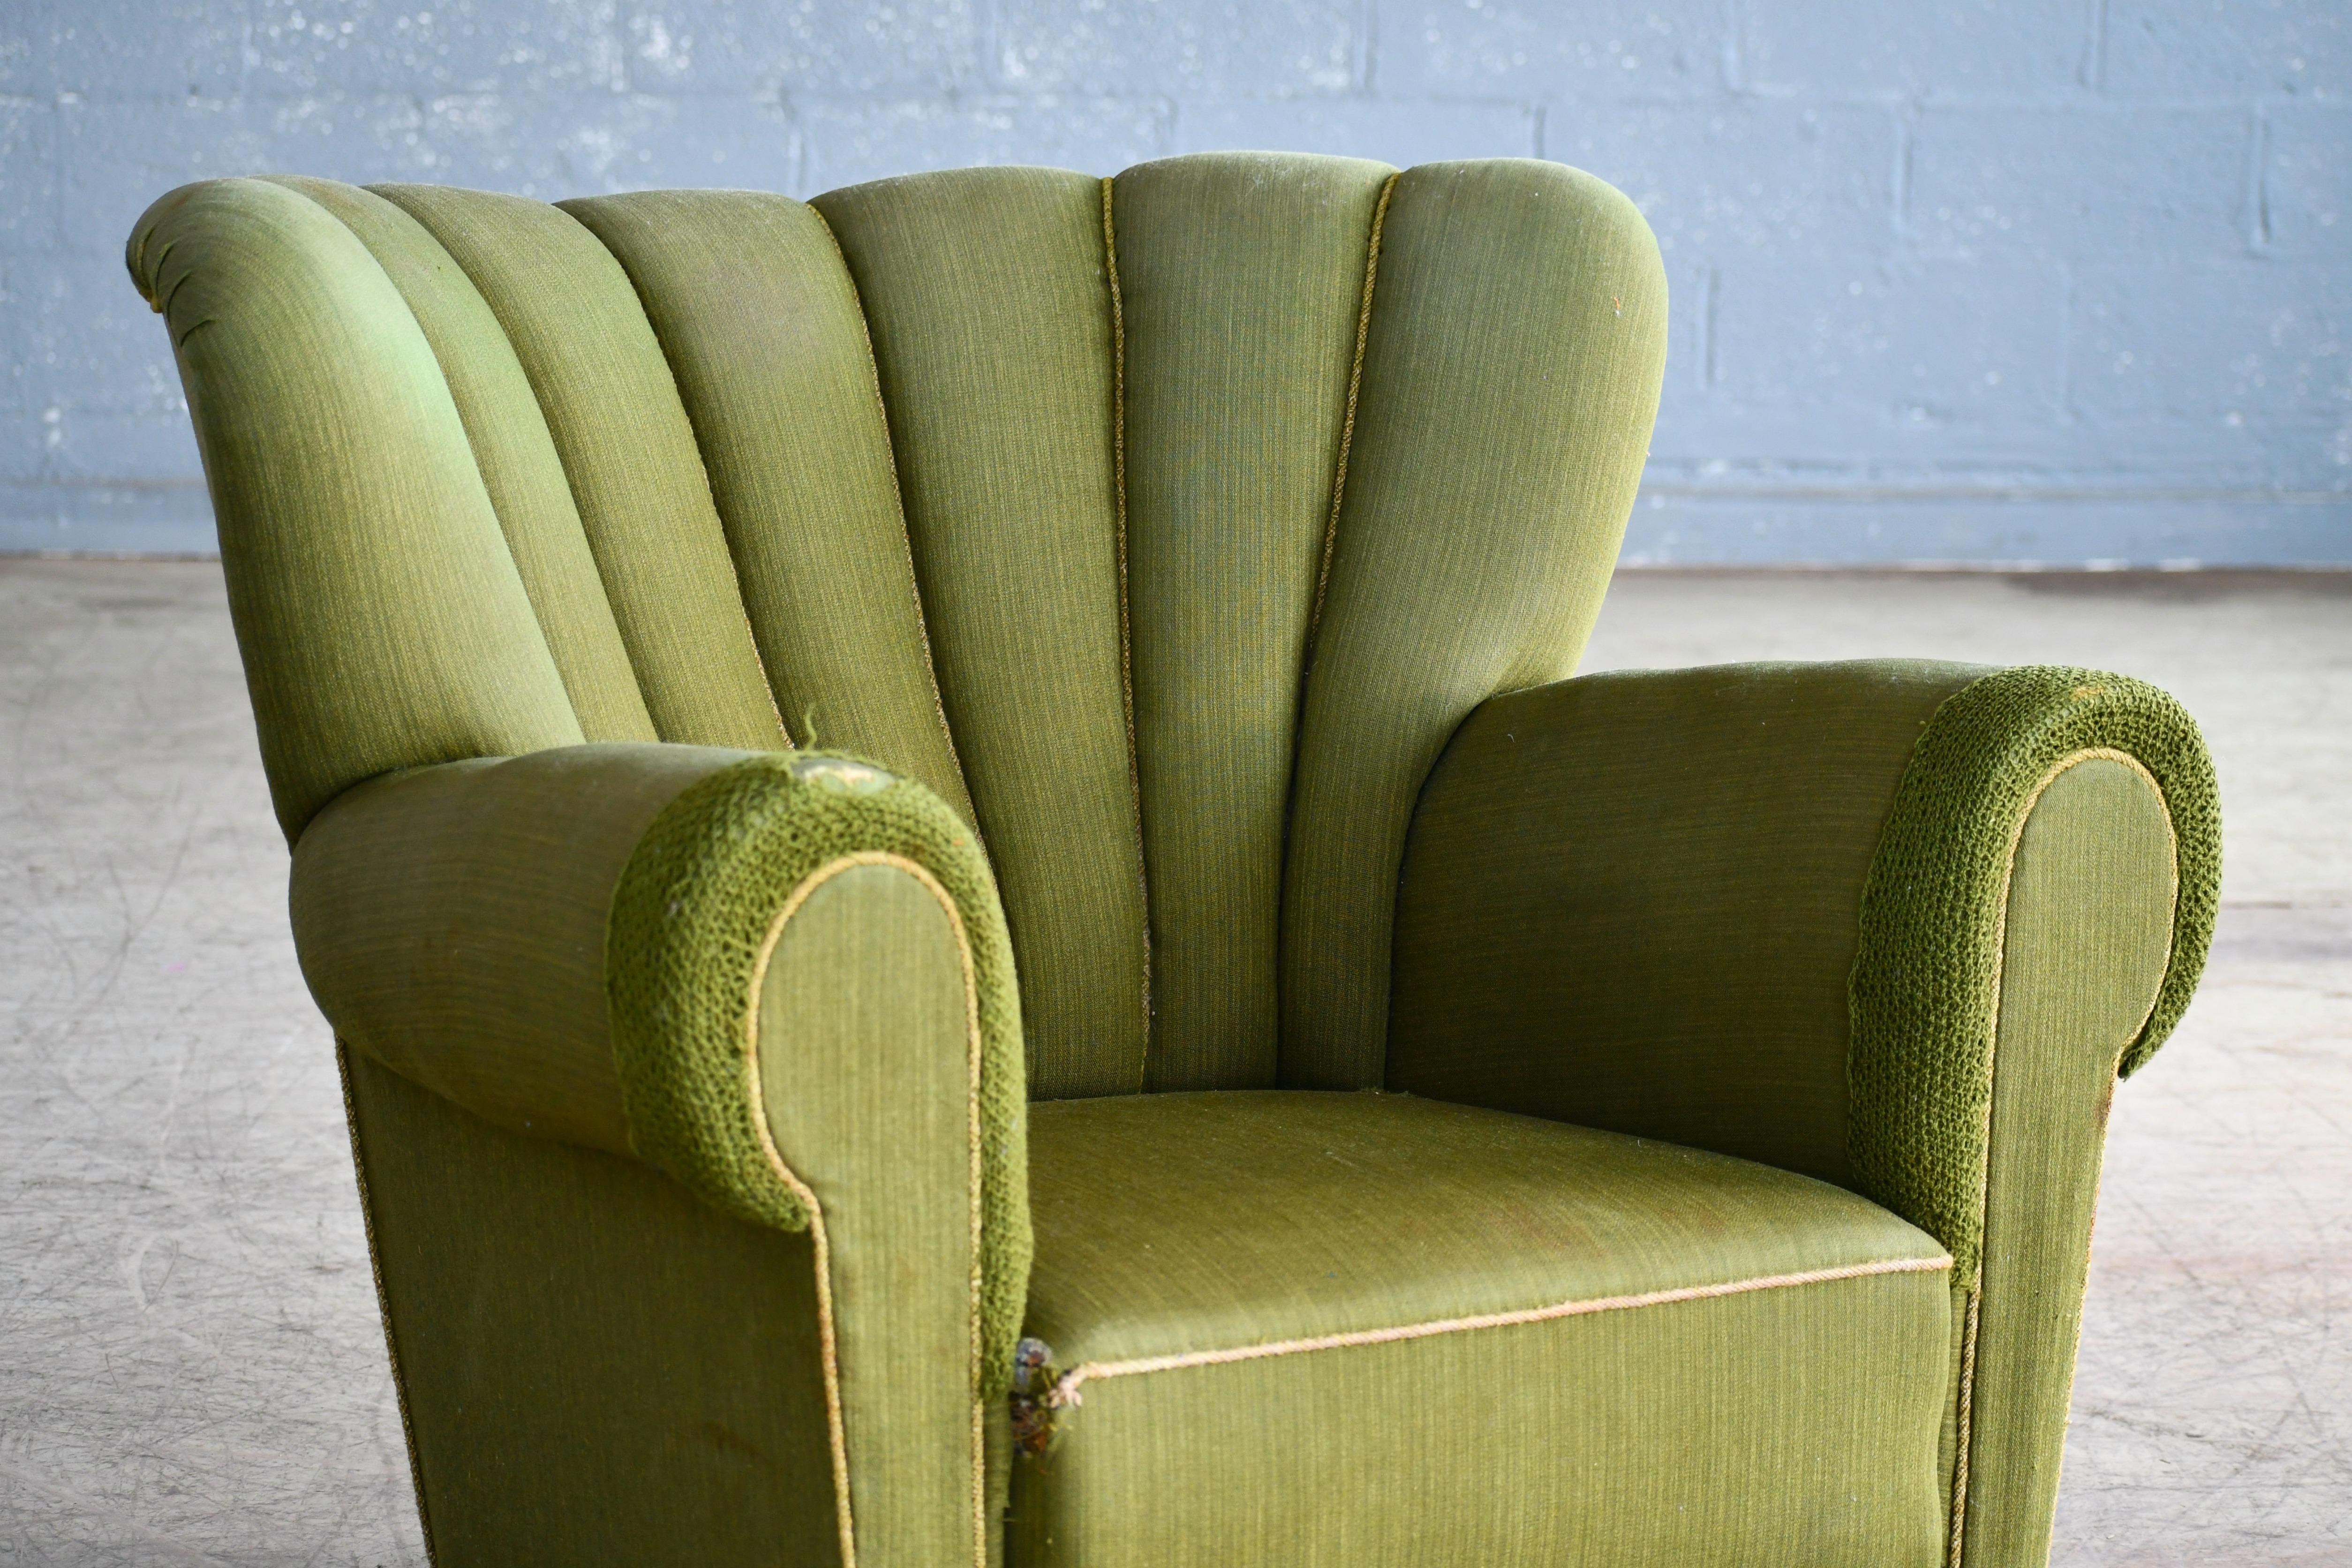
(971, 918)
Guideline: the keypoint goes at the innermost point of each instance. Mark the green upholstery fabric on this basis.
(867, 1084)
(1634, 900)
(515, 455)
(1517, 340)
(594, 1367)
(1787, 1423)
(1631, 900)
(1171, 568)
(1174, 1224)
(451, 923)
(1241, 279)
(478, 971)
(2088, 942)
(756, 313)
(628, 450)
(1927, 979)
(381, 619)
(988, 300)
(692, 920)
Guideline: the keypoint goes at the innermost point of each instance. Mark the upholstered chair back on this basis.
(1166, 526)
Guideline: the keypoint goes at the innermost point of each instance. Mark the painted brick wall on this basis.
(2062, 280)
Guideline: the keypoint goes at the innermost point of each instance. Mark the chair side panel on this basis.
(593, 1366)
(517, 456)
(988, 297)
(1510, 379)
(754, 308)
(627, 449)
(1242, 281)
(381, 617)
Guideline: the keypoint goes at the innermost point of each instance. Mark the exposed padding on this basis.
(627, 449)
(380, 614)
(1242, 279)
(690, 923)
(1927, 982)
(2089, 932)
(450, 921)
(1632, 901)
(1510, 379)
(595, 1367)
(1779, 1405)
(989, 299)
(517, 457)
(755, 310)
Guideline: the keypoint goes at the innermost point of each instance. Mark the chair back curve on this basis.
(1165, 525)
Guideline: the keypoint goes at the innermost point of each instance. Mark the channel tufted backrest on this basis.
(1166, 526)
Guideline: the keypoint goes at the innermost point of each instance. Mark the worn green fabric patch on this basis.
(1927, 979)
(689, 919)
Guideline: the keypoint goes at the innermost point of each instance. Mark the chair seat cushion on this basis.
(1370, 1329)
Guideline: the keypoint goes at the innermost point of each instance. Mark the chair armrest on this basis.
(690, 956)
(1760, 909)
(1895, 925)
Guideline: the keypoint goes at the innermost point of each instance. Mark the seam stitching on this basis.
(1962, 1420)
(382, 1301)
(1347, 424)
(1125, 635)
(827, 1340)
(1066, 1391)
(906, 530)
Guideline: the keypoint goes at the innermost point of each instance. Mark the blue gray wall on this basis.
(2055, 280)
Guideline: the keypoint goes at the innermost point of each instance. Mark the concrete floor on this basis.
(190, 1366)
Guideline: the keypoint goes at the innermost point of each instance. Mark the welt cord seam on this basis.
(1065, 1391)
(1126, 638)
(1348, 421)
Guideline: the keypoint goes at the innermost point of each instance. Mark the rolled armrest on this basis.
(590, 944)
(451, 923)
(1896, 925)
(1631, 900)
(1760, 909)
(1927, 992)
